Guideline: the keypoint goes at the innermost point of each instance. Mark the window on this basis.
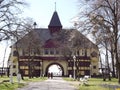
(51, 51)
(94, 67)
(83, 52)
(23, 52)
(15, 53)
(38, 51)
(14, 66)
(26, 52)
(70, 64)
(57, 52)
(32, 51)
(26, 72)
(21, 67)
(78, 53)
(46, 51)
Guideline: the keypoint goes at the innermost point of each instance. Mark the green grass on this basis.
(68, 79)
(93, 84)
(93, 88)
(15, 85)
(9, 86)
(26, 79)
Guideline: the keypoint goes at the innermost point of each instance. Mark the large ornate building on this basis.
(43, 47)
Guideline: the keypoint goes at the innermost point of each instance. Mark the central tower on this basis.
(55, 24)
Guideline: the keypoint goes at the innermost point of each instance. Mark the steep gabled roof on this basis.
(55, 21)
(65, 38)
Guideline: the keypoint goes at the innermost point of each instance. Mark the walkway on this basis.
(56, 83)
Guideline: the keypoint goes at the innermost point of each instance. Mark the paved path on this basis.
(56, 83)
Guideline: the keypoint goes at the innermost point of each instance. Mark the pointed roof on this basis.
(55, 21)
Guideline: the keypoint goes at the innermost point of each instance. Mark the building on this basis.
(43, 47)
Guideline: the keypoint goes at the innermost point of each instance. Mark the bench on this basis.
(84, 80)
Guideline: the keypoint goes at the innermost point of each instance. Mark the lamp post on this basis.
(41, 68)
(90, 70)
(74, 59)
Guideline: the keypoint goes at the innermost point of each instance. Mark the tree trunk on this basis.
(108, 67)
(101, 63)
(18, 58)
(116, 48)
(119, 73)
(113, 65)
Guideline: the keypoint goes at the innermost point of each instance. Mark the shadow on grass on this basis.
(6, 85)
(20, 85)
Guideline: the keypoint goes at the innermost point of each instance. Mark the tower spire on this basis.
(55, 6)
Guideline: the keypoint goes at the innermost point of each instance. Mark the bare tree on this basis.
(72, 42)
(104, 13)
(30, 45)
(9, 15)
(9, 11)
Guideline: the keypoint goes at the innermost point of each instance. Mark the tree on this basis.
(9, 13)
(104, 14)
(29, 44)
(72, 43)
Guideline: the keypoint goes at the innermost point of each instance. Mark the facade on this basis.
(43, 47)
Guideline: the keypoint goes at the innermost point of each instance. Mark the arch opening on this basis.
(56, 69)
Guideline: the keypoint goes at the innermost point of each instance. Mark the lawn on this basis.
(94, 84)
(9, 86)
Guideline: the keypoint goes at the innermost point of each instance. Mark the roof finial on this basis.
(55, 6)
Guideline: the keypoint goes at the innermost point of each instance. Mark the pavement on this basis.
(57, 83)
(111, 87)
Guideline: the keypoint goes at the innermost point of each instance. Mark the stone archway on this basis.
(47, 69)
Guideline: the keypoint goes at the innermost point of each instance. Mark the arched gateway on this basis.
(43, 47)
(62, 68)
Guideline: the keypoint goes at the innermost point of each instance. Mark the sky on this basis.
(41, 12)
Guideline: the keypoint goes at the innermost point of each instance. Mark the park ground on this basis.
(92, 84)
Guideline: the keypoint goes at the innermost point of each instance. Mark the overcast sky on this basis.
(41, 11)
